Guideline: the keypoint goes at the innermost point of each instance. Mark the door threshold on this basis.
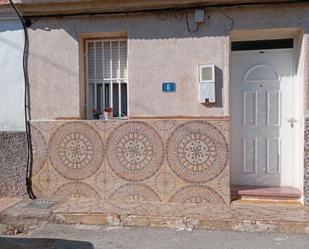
(271, 202)
(244, 194)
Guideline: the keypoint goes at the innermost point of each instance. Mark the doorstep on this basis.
(266, 195)
(284, 219)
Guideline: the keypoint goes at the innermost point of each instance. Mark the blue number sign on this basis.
(168, 87)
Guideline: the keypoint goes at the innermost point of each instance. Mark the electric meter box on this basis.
(207, 83)
(199, 15)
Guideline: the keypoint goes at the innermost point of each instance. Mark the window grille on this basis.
(107, 76)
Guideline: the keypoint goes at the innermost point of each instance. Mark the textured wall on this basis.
(155, 55)
(160, 49)
(13, 164)
(11, 76)
(153, 160)
(306, 163)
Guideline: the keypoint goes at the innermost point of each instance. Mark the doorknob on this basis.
(291, 121)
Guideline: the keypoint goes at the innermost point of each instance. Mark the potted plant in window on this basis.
(108, 113)
(96, 113)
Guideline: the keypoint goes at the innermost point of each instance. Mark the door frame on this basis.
(298, 159)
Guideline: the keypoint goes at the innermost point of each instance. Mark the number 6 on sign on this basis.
(168, 87)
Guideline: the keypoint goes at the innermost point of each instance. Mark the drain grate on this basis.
(41, 204)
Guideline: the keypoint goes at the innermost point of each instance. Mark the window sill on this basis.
(110, 119)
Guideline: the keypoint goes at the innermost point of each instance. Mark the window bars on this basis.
(107, 76)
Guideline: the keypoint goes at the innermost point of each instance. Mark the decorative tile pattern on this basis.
(76, 151)
(76, 190)
(135, 192)
(37, 192)
(183, 161)
(221, 183)
(165, 182)
(197, 194)
(40, 149)
(135, 151)
(164, 125)
(105, 180)
(306, 163)
(197, 152)
(47, 180)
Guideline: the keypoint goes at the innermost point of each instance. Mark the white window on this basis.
(107, 76)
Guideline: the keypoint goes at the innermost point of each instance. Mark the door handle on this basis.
(292, 121)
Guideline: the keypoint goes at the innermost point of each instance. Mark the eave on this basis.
(72, 7)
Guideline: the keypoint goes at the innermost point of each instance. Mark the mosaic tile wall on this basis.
(152, 160)
(306, 163)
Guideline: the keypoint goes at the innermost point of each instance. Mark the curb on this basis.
(185, 223)
(140, 215)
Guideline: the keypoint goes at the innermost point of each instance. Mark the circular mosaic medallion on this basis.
(197, 194)
(197, 151)
(76, 190)
(76, 151)
(135, 151)
(39, 150)
(135, 192)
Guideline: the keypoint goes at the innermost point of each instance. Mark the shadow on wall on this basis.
(173, 24)
(11, 43)
(219, 87)
(10, 25)
(167, 42)
(157, 25)
(16, 243)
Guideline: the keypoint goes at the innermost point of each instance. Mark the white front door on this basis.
(262, 118)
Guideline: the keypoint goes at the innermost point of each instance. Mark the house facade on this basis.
(168, 102)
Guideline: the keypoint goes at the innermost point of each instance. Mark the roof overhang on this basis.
(68, 7)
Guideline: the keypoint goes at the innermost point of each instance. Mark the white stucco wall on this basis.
(11, 76)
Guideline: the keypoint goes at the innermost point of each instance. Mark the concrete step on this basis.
(261, 201)
(276, 194)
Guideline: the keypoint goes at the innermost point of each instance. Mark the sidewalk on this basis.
(236, 217)
(8, 202)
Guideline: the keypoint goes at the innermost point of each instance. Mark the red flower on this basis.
(108, 109)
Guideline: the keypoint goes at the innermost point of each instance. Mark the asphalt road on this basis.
(100, 237)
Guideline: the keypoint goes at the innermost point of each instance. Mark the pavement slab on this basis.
(8, 202)
(22, 215)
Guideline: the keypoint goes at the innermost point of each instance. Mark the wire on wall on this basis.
(179, 15)
(188, 25)
(26, 23)
(231, 20)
